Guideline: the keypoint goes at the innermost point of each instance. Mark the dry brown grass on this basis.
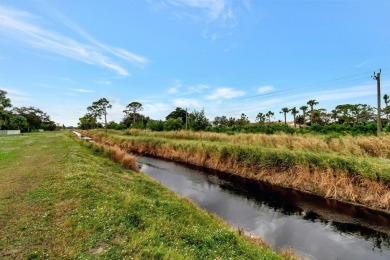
(345, 145)
(118, 155)
(329, 183)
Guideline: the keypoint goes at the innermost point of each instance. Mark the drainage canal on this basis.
(316, 228)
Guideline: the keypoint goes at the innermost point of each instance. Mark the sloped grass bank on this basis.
(356, 179)
(59, 200)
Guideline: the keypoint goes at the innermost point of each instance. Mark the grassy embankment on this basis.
(60, 200)
(350, 169)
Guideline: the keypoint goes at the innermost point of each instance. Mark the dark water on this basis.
(314, 227)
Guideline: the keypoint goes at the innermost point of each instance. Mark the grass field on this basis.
(59, 200)
(351, 169)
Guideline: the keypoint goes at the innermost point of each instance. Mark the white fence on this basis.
(9, 132)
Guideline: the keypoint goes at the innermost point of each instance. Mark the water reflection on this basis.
(315, 227)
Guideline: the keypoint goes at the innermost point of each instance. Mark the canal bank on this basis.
(314, 227)
(353, 179)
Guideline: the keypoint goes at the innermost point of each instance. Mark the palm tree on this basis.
(386, 99)
(269, 114)
(304, 109)
(294, 112)
(312, 103)
(260, 117)
(284, 111)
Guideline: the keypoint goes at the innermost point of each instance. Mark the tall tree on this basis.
(18, 122)
(36, 118)
(269, 115)
(99, 109)
(177, 113)
(386, 98)
(260, 117)
(4, 101)
(133, 108)
(284, 111)
(197, 120)
(312, 103)
(304, 110)
(243, 120)
(294, 112)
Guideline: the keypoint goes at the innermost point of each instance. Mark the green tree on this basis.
(231, 121)
(243, 120)
(260, 118)
(4, 101)
(99, 109)
(133, 108)
(155, 125)
(197, 120)
(386, 98)
(18, 122)
(88, 121)
(312, 103)
(294, 112)
(178, 113)
(173, 124)
(304, 110)
(36, 118)
(284, 111)
(269, 115)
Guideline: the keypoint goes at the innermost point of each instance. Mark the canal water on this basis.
(316, 228)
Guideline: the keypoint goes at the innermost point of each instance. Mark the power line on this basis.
(308, 85)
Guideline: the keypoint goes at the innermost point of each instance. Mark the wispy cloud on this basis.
(215, 15)
(186, 102)
(17, 97)
(225, 93)
(23, 27)
(199, 88)
(154, 108)
(81, 90)
(264, 89)
(214, 9)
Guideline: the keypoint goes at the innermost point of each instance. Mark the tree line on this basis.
(26, 119)
(349, 118)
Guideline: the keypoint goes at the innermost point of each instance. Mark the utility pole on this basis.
(377, 77)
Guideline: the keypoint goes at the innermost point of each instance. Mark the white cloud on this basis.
(215, 15)
(154, 108)
(17, 97)
(22, 27)
(215, 9)
(226, 93)
(81, 90)
(186, 102)
(199, 88)
(264, 89)
(173, 90)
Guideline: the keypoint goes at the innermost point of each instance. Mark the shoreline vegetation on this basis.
(350, 169)
(59, 199)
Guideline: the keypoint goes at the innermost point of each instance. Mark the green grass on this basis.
(276, 157)
(59, 200)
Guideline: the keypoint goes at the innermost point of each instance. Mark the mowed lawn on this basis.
(59, 200)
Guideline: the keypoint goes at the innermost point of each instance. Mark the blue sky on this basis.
(226, 56)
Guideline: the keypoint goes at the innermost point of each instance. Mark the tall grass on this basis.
(115, 153)
(359, 179)
(367, 146)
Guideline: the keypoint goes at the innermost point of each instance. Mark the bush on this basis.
(155, 125)
(173, 124)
